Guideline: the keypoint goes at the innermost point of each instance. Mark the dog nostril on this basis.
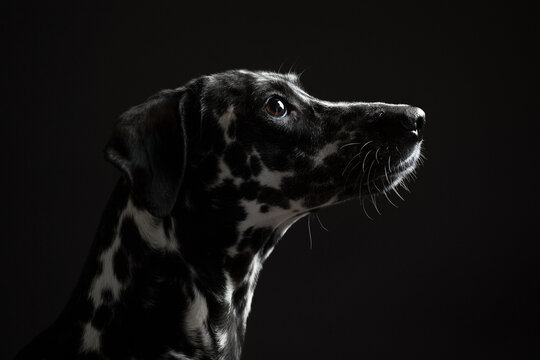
(420, 122)
(414, 120)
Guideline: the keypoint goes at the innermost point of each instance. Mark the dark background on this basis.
(452, 274)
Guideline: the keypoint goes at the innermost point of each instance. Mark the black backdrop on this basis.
(453, 273)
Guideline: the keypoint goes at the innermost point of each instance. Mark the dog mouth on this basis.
(380, 171)
(384, 182)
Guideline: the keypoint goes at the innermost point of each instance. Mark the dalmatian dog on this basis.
(214, 173)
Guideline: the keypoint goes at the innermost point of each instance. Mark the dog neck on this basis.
(174, 286)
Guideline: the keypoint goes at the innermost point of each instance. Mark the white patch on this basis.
(269, 177)
(225, 173)
(91, 339)
(106, 279)
(152, 229)
(153, 232)
(222, 338)
(256, 218)
(196, 318)
(226, 299)
(256, 267)
(178, 356)
(272, 178)
(328, 149)
(225, 121)
(274, 217)
(229, 289)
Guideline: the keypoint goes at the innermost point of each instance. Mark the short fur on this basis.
(210, 184)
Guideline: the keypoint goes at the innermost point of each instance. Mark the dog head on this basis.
(259, 140)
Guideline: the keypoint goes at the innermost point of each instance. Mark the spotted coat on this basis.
(212, 178)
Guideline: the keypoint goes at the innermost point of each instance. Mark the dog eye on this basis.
(276, 107)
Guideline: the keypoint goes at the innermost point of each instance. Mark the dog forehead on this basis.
(250, 80)
(265, 76)
(243, 89)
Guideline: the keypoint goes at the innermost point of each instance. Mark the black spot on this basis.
(255, 164)
(250, 189)
(259, 238)
(213, 135)
(255, 239)
(319, 196)
(121, 265)
(264, 208)
(231, 131)
(167, 225)
(293, 187)
(235, 157)
(273, 197)
(238, 266)
(208, 169)
(106, 296)
(248, 231)
(226, 198)
(277, 160)
(240, 296)
(245, 239)
(102, 316)
(132, 241)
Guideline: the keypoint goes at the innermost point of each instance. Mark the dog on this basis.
(214, 173)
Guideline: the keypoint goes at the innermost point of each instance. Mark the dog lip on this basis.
(415, 135)
(391, 176)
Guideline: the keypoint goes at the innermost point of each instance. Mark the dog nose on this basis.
(396, 120)
(414, 120)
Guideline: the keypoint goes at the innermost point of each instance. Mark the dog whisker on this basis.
(398, 194)
(374, 202)
(404, 185)
(388, 198)
(309, 231)
(389, 184)
(366, 144)
(376, 187)
(365, 211)
(301, 73)
(349, 163)
(364, 162)
(320, 222)
(349, 144)
(281, 65)
(386, 175)
(369, 173)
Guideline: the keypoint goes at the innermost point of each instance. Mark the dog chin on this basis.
(405, 168)
(412, 158)
(387, 181)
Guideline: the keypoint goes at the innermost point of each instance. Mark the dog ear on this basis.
(148, 145)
